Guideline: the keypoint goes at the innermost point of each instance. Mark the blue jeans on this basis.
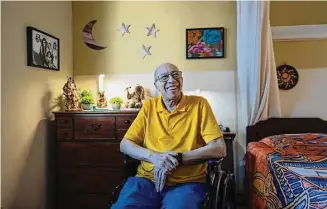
(140, 193)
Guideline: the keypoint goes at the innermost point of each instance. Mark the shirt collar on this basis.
(181, 107)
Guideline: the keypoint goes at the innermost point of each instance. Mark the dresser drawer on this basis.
(95, 179)
(65, 122)
(83, 201)
(124, 122)
(120, 134)
(64, 134)
(89, 154)
(89, 134)
(94, 127)
(105, 123)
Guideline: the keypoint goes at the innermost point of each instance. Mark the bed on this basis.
(286, 163)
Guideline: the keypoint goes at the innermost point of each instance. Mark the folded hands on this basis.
(164, 164)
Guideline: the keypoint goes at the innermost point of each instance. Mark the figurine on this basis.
(134, 100)
(102, 100)
(71, 95)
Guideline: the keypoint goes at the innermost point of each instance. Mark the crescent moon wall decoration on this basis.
(88, 38)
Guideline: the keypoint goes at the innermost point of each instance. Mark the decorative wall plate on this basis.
(287, 77)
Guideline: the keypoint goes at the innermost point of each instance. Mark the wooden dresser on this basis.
(89, 163)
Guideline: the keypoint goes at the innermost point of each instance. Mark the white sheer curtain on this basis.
(258, 92)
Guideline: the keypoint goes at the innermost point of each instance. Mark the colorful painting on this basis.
(202, 43)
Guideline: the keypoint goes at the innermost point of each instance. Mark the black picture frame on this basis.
(205, 43)
(47, 57)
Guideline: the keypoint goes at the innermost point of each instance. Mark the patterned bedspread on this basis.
(287, 171)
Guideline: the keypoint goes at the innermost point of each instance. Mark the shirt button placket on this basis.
(168, 124)
(169, 130)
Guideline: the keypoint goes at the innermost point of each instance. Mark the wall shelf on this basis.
(299, 32)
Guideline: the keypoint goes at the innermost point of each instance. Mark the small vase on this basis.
(87, 106)
(116, 106)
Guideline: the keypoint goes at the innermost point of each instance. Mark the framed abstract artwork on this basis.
(42, 49)
(204, 43)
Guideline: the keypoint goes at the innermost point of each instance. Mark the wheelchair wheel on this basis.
(218, 198)
(229, 192)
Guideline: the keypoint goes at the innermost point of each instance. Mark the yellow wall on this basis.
(27, 98)
(171, 18)
(300, 54)
(284, 13)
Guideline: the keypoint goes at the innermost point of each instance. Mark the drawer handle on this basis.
(127, 121)
(95, 127)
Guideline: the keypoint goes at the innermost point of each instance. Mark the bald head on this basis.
(164, 67)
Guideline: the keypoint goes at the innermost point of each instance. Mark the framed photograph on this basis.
(42, 49)
(204, 43)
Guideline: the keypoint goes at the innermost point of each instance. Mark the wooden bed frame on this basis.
(274, 126)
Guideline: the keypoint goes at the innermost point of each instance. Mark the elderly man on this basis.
(173, 135)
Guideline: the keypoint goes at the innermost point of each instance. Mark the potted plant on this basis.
(116, 102)
(86, 99)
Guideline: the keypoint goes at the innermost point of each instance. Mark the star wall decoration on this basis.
(124, 29)
(152, 31)
(145, 51)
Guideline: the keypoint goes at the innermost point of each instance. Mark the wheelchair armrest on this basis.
(216, 160)
(211, 160)
(128, 159)
(213, 167)
(130, 166)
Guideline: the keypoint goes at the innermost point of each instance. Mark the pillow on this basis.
(297, 142)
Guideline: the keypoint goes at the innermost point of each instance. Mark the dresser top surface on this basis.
(108, 111)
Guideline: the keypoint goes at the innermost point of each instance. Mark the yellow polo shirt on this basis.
(190, 126)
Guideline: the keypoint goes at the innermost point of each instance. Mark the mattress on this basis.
(287, 171)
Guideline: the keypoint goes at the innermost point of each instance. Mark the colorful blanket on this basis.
(287, 171)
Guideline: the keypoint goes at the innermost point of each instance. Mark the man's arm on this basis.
(214, 149)
(135, 151)
(160, 160)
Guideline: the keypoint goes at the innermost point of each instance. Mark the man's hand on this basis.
(160, 176)
(164, 164)
(165, 161)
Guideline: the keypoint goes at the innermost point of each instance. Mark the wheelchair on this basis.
(221, 184)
